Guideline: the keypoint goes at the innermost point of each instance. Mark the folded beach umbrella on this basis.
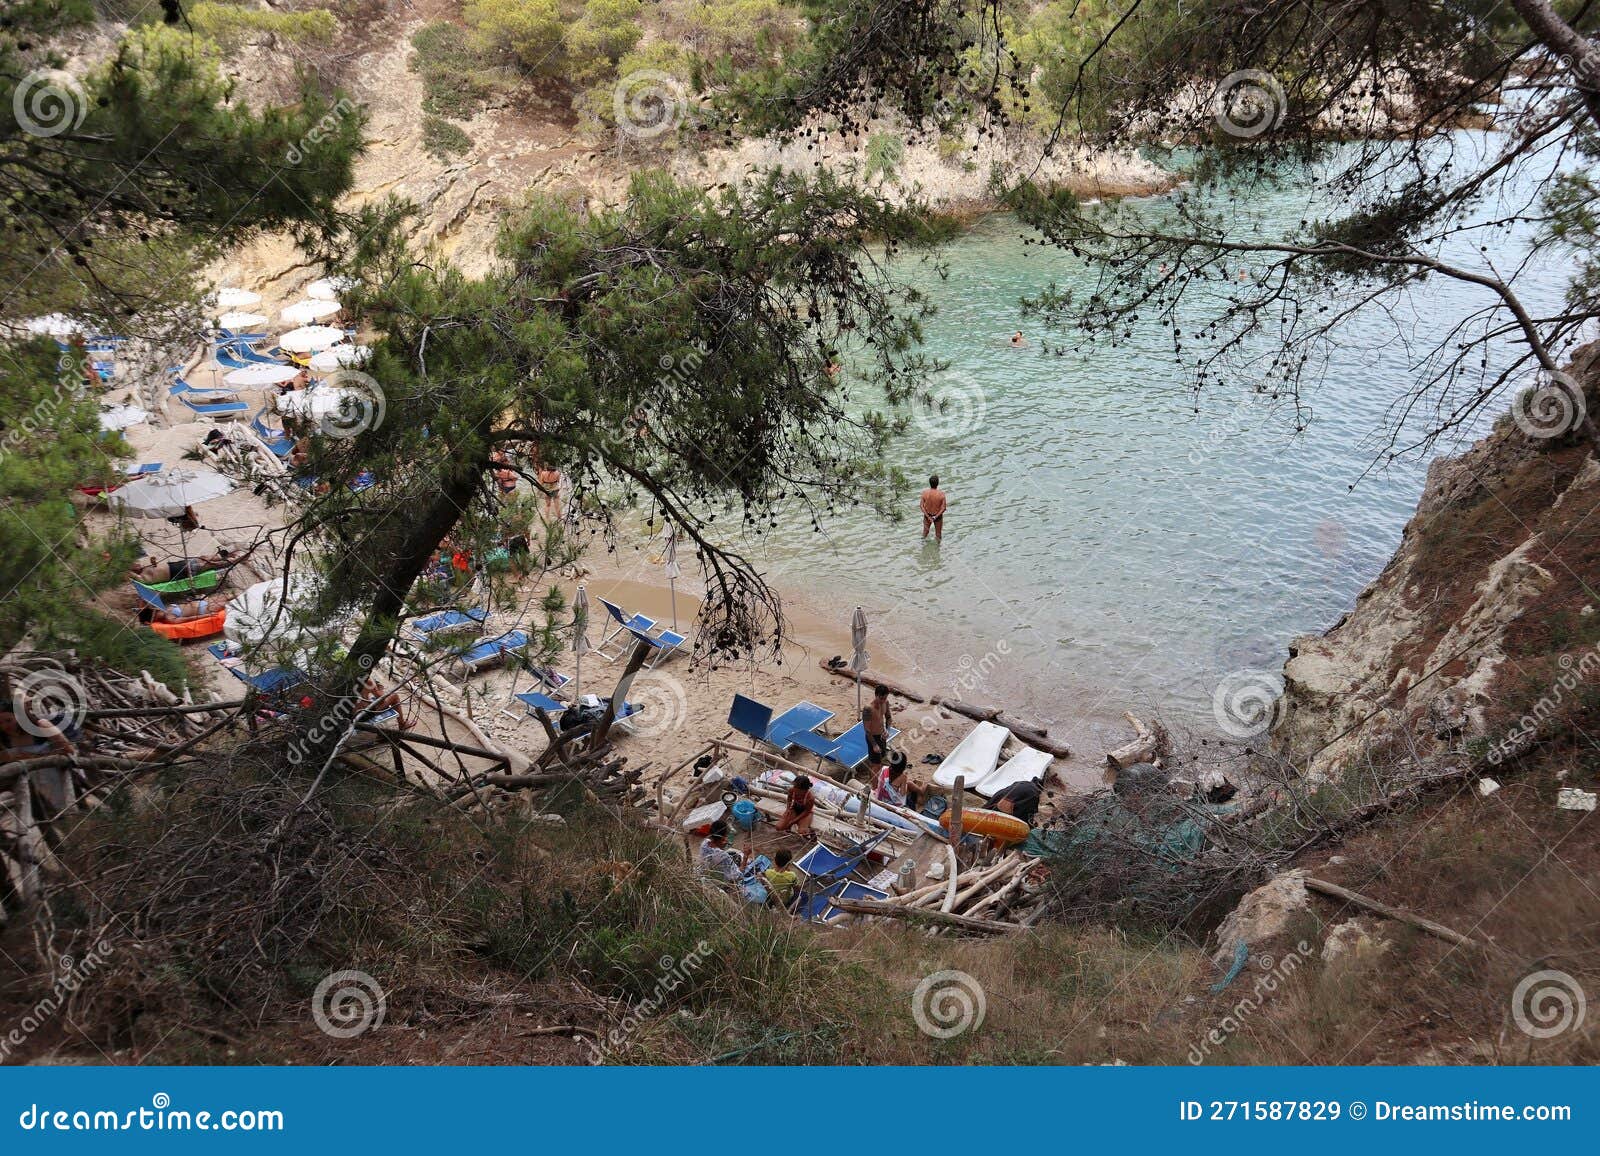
(580, 638)
(238, 320)
(340, 357)
(858, 656)
(231, 298)
(669, 563)
(311, 339)
(305, 312)
(329, 288)
(252, 376)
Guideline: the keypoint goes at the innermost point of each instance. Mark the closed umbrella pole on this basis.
(580, 639)
(858, 656)
(670, 562)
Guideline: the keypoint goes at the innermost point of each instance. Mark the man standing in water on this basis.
(933, 505)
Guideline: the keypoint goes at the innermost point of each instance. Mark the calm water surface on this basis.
(1107, 546)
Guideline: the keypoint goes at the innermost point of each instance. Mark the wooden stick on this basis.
(1368, 903)
(939, 918)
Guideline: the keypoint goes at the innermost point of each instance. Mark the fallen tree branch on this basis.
(1367, 903)
(919, 915)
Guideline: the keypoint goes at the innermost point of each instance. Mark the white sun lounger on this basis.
(1019, 768)
(974, 757)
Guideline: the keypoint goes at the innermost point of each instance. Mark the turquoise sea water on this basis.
(1114, 542)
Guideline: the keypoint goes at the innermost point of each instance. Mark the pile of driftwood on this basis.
(128, 725)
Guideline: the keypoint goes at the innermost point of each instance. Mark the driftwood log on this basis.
(1025, 732)
(920, 915)
(1399, 915)
(1147, 745)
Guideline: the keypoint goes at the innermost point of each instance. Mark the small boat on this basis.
(975, 756)
(1004, 829)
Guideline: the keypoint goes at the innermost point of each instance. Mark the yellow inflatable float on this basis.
(997, 825)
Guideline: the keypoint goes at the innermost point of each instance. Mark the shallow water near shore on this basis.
(1114, 542)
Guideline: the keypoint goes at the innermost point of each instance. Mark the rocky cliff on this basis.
(1483, 625)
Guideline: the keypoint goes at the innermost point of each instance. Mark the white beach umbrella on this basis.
(115, 417)
(237, 320)
(252, 376)
(580, 638)
(231, 298)
(340, 357)
(320, 401)
(858, 656)
(55, 325)
(265, 612)
(311, 339)
(168, 493)
(329, 288)
(669, 563)
(305, 312)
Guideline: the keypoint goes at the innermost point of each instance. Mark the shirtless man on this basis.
(154, 571)
(933, 506)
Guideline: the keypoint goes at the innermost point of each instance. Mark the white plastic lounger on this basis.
(974, 757)
(1019, 768)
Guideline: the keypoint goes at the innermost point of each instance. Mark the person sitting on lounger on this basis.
(374, 698)
(1019, 799)
(894, 785)
(802, 803)
(782, 882)
(717, 858)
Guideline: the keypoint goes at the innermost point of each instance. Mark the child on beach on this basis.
(781, 881)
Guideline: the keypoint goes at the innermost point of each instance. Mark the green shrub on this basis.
(456, 78)
(885, 154)
(608, 30)
(531, 31)
(442, 139)
(230, 24)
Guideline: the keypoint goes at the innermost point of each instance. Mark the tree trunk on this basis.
(1565, 41)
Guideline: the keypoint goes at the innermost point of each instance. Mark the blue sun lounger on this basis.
(282, 445)
(665, 645)
(621, 627)
(240, 351)
(827, 875)
(424, 628)
(226, 358)
(267, 682)
(750, 717)
(533, 701)
(797, 720)
(490, 651)
(849, 750)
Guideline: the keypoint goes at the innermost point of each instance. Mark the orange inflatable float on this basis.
(202, 627)
(997, 825)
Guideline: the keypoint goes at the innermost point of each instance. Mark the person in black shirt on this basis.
(1019, 799)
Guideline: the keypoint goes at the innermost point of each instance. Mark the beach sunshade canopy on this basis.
(320, 401)
(265, 612)
(304, 312)
(55, 325)
(340, 357)
(311, 339)
(117, 417)
(329, 288)
(262, 374)
(237, 320)
(858, 641)
(166, 494)
(231, 298)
